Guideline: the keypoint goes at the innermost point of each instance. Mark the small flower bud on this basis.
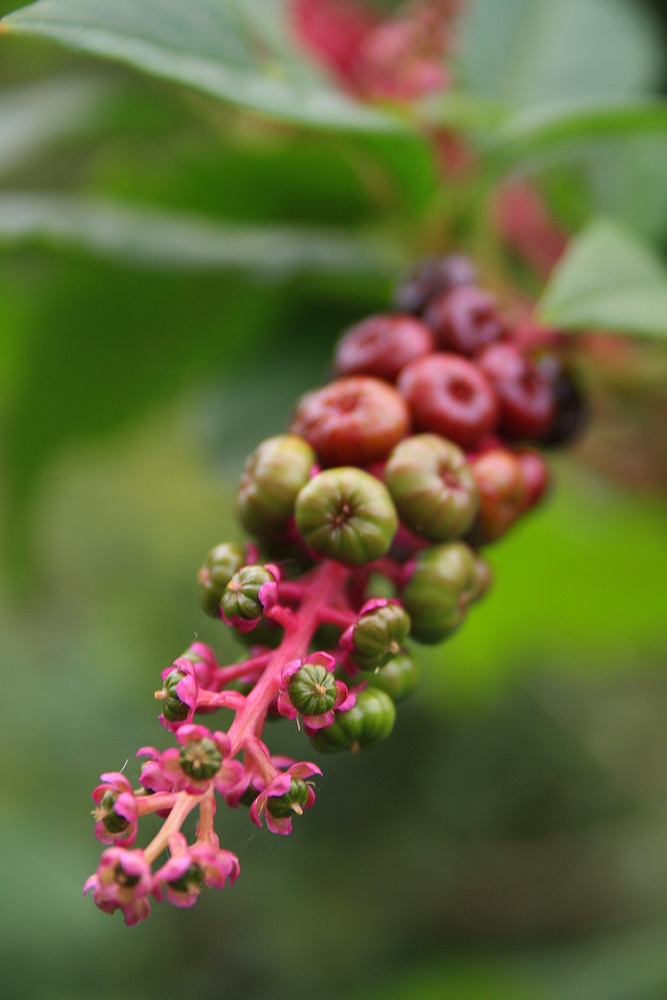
(379, 634)
(221, 564)
(398, 678)
(369, 721)
(273, 475)
(243, 601)
(293, 801)
(200, 759)
(437, 594)
(347, 515)
(433, 487)
(353, 421)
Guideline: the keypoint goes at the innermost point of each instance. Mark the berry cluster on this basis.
(367, 519)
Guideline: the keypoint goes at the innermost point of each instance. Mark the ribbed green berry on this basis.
(379, 635)
(433, 487)
(112, 821)
(292, 801)
(173, 709)
(368, 722)
(201, 759)
(241, 596)
(346, 515)
(481, 582)
(221, 564)
(272, 478)
(437, 594)
(312, 689)
(398, 678)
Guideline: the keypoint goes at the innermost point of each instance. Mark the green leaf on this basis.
(34, 115)
(527, 53)
(607, 279)
(237, 50)
(533, 131)
(177, 240)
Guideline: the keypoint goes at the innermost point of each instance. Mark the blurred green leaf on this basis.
(607, 278)
(34, 115)
(527, 53)
(538, 129)
(238, 50)
(168, 239)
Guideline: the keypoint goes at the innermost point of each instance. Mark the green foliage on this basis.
(608, 280)
(237, 50)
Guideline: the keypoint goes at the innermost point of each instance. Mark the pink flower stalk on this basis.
(115, 812)
(342, 698)
(287, 793)
(189, 868)
(122, 881)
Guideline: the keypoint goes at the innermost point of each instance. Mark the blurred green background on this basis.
(510, 840)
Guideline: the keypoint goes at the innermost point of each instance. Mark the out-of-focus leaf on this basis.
(238, 50)
(166, 239)
(609, 279)
(535, 130)
(460, 110)
(527, 53)
(36, 114)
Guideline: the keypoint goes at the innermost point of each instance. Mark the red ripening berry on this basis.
(499, 475)
(465, 320)
(451, 397)
(536, 476)
(382, 345)
(352, 421)
(524, 394)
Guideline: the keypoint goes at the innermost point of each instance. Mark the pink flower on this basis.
(189, 868)
(115, 810)
(152, 777)
(313, 693)
(346, 640)
(122, 882)
(179, 694)
(250, 777)
(201, 761)
(288, 793)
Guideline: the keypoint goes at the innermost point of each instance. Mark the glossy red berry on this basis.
(525, 396)
(430, 277)
(352, 421)
(450, 396)
(502, 491)
(536, 476)
(465, 320)
(382, 345)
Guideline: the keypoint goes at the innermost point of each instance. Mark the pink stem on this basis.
(183, 806)
(327, 582)
(338, 616)
(253, 664)
(222, 699)
(151, 803)
(205, 827)
(289, 591)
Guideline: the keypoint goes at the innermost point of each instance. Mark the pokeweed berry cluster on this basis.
(367, 520)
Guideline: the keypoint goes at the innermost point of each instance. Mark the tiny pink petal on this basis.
(285, 706)
(322, 659)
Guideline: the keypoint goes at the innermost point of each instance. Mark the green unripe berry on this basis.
(379, 635)
(272, 478)
(201, 759)
(398, 678)
(112, 821)
(433, 487)
(173, 709)
(221, 564)
(193, 878)
(438, 592)
(241, 596)
(293, 801)
(346, 515)
(368, 722)
(481, 581)
(312, 690)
